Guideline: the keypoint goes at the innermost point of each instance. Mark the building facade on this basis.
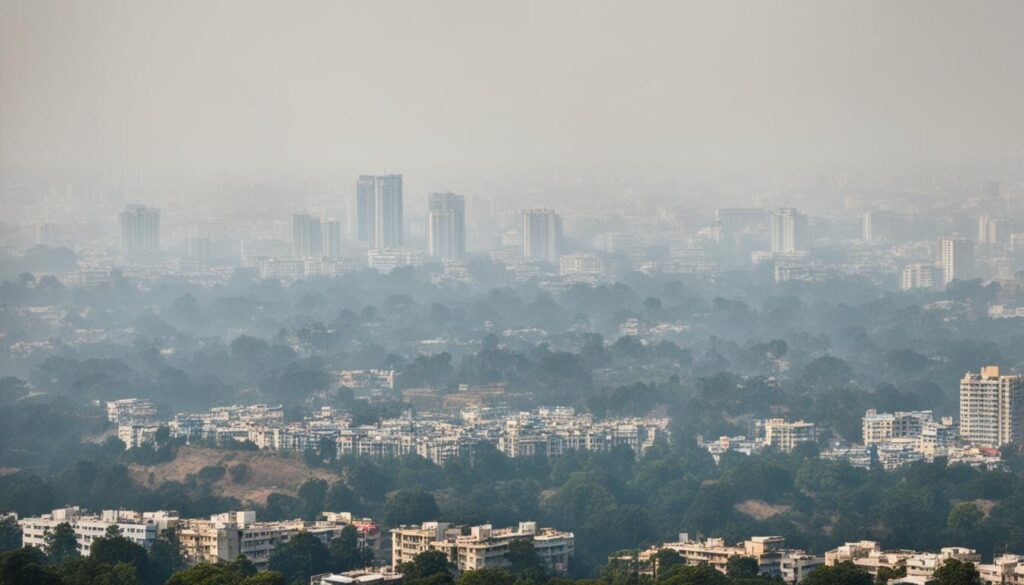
(542, 235)
(446, 226)
(991, 408)
(789, 231)
(140, 229)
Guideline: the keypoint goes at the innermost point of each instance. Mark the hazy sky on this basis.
(477, 84)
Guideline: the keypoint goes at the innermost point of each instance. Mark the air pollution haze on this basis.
(511, 292)
(479, 85)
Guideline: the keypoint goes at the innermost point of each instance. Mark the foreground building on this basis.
(991, 408)
(481, 547)
(142, 529)
(868, 555)
(383, 576)
(226, 536)
(770, 552)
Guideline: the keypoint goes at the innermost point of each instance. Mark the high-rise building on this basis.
(332, 238)
(140, 229)
(542, 234)
(379, 211)
(446, 226)
(197, 250)
(1017, 252)
(991, 408)
(988, 230)
(957, 259)
(920, 276)
(990, 189)
(366, 209)
(789, 231)
(880, 226)
(307, 236)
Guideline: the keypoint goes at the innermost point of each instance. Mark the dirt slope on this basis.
(268, 472)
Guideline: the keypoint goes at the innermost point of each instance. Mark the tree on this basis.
(345, 551)
(694, 575)
(887, 574)
(236, 573)
(114, 548)
(486, 577)
(845, 573)
(313, 494)
(523, 558)
(665, 559)
(89, 571)
(409, 507)
(10, 534)
(61, 543)
(164, 557)
(300, 558)
(427, 565)
(26, 566)
(741, 567)
(957, 572)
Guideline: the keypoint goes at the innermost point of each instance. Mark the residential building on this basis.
(379, 221)
(332, 238)
(772, 556)
(481, 547)
(136, 434)
(956, 256)
(784, 435)
(581, 265)
(1005, 569)
(879, 427)
(446, 226)
(991, 408)
(307, 236)
(880, 226)
(197, 251)
(542, 235)
(870, 556)
(140, 229)
(385, 260)
(130, 409)
(142, 529)
(789, 231)
(225, 536)
(383, 576)
(919, 275)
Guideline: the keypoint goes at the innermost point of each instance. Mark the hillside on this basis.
(268, 472)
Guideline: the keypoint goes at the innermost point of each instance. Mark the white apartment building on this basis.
(879, 427)
(868, 555)
(481, 547)
(773, 558)
(785, 435)
(383, 576)
(225, 536)
(130, 409)
(1003, 570)
(142, 529)
(134, 434)
(920, 276)
(991, 408)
